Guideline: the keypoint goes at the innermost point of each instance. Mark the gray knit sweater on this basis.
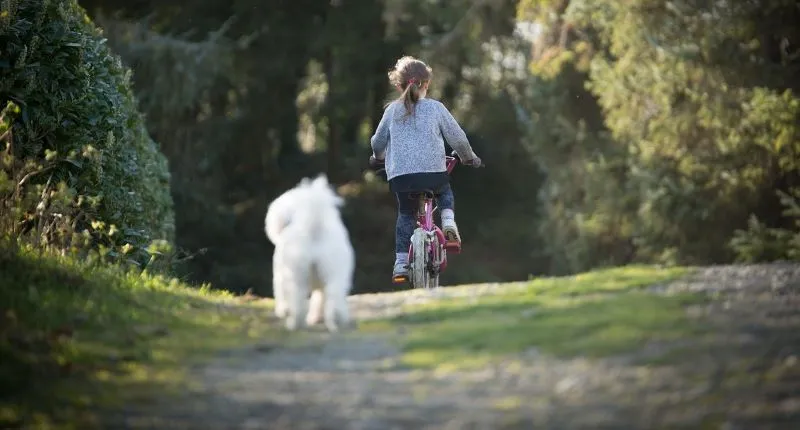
(414, 143)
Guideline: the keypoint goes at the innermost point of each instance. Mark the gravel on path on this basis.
(746, 376)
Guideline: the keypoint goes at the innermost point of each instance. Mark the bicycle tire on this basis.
(433, 275)
(433, 281)
(419, 263)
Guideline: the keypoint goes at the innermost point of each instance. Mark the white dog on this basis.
(312, 254)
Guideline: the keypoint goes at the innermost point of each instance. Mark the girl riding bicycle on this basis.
(410, 139)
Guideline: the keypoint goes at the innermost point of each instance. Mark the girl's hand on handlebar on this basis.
(374, 162)
(475, 162)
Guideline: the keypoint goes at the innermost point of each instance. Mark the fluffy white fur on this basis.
(312, 255)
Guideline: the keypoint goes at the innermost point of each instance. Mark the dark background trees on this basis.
(643, 131)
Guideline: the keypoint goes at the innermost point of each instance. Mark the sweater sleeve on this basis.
(454, 135)
(380, 140)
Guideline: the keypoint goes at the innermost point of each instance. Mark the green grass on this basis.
(78, 337)
(595, 314)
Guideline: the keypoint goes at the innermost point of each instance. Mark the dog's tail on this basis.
(278, 215)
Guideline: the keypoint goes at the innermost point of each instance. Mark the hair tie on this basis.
(412, 81)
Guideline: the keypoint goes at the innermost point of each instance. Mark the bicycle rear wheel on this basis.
(419, 263)
(433, 281)
(432, 268)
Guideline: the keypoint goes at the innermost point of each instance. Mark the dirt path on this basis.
(745, 376)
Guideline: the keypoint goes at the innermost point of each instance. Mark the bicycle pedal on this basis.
(453, 247)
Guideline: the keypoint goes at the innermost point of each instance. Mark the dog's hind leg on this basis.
(337, 311)
(281, 309)
(297, 298)
(316, 307)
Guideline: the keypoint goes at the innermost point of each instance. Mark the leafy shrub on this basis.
(762, 243)
(78, 120)
(659, 135)
(53, 216)
(180, 83)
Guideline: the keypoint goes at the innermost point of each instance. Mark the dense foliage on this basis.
(74, 131)
(688, 125)
(641, 131)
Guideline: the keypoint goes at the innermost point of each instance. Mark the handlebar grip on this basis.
(454, 154)
(376, 163)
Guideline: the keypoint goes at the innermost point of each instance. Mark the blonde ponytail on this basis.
(410, 96)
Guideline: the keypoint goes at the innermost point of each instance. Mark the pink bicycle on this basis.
(427, 254)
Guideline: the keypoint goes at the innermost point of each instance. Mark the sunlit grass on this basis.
(594, 314)
(76, 336)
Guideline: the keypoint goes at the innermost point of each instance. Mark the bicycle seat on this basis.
(426, 192)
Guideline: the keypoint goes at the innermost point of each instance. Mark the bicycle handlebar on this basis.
(455, 155)
(379, 165)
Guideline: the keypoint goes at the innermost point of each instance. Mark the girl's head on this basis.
(411, 77)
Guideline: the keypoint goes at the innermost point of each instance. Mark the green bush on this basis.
(762, 243)
(79, 118)
(662, 129)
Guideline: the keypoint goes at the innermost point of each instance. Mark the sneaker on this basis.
(400, 273)
(450, 230)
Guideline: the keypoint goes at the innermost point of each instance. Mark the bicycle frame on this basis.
(437, 257)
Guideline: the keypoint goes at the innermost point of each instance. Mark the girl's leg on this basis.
(403, 231)
(445, 198)
(446, 203)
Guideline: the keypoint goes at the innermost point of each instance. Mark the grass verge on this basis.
(77, 337)
(594, 314)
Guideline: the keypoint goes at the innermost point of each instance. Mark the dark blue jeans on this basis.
(406, 214)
